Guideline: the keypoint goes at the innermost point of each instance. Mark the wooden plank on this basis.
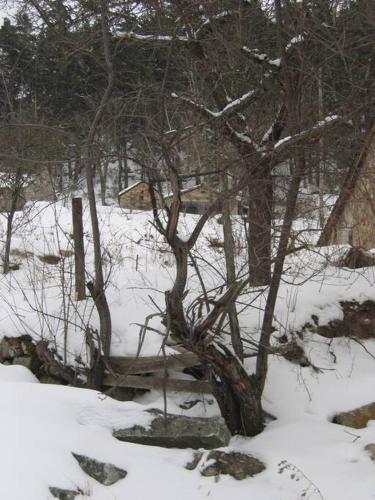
(79, 249)
(139, 382)
(151, 364)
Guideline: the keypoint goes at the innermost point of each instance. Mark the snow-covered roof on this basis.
(186, 190)
(129, 188)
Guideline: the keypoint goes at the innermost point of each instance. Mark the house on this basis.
(195, 199)
(35, 185)
(353, 215)
(137, 197)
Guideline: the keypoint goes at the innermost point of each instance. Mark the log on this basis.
(151, 364)
(139, 382)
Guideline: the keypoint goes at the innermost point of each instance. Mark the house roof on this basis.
(168, 195)
(346, 191)
(129, 188)
(184, 191)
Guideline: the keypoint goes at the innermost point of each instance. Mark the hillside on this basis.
(319, 459)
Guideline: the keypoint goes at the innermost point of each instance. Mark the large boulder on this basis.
(176, 431)
(357, 418)
(104, 473)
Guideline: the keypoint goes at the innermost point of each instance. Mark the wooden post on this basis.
(79, 249)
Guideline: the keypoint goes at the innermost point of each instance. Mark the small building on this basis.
(352, 220)
(37, 185)
(137, 197)
(195, 199)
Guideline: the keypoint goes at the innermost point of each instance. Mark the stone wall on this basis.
(39, 187)
(137, 197)
(356, 224)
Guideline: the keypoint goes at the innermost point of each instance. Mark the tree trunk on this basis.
(16, 191)
(103, 175)
(260, 192)
(6, 260)
(264, 344)
(230, 268)
(321, 164)
(235, 391)
(96, 289)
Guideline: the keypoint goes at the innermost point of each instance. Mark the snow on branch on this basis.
(245, 138)
(228, 109)
(261, 57)
(157, 37)
(207, 20)
(295, 40)
(277, 126)
(310, 135)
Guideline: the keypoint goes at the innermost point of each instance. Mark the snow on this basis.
(321, 124)
(294, 41)
(8, 180)
(154, 37)
(140, 266)
(129, 188)
(218, 114)
(40, 425)
(281, 141)
(262, 57)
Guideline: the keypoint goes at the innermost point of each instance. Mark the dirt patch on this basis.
(50, 259)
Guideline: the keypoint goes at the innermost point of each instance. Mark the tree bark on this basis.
(230, 268)
(97, 288)
(260, 192)
(235, 391)
(103, 174)
(16, 191)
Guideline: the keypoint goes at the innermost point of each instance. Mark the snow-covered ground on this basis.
(41, 425)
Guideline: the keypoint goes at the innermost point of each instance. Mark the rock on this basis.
(370, 448)
(4, 349)
(104, 473)
(195, 461)
(176, 431)
(357, 418)
(15, 347)
(26, 361)
(237, 465)
(46, 379)
(62, 494)
(294, 353)
(20, 351)
(121, 393)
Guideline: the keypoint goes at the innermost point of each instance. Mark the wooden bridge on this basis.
(150, 373)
